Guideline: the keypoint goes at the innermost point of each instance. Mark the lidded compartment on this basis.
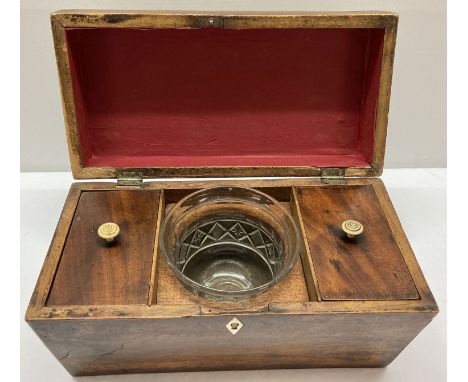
(226, 95)
(93, 272)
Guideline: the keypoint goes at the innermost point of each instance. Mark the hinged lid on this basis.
(225, 95)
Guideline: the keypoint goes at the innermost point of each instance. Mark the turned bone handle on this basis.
(352, 228)
(108, 231)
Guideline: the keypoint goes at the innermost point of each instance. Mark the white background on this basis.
(417, 122)
(416, 138)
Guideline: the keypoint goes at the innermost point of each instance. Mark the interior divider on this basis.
(307, 263)
(153, 286)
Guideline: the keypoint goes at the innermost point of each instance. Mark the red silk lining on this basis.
(220, 97)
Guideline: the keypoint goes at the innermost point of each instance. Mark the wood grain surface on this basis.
(266, 341)
(92, 272)
(178, 333)
(368, 267)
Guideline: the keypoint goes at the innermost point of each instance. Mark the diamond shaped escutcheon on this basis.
(234, 326)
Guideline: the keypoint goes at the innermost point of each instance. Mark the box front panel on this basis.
(266, 341)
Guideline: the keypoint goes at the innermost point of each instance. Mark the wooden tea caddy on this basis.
(300, 97)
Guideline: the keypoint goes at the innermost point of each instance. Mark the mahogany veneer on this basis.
(92, 272)
(175, 330)
(367, 267)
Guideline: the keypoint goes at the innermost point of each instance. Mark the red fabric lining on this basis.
(219, 97)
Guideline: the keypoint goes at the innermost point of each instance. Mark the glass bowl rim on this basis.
(226, 293)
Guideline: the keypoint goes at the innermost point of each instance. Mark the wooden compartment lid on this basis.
(166, 94)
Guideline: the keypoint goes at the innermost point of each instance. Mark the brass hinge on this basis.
(333, 175)
(129, 179)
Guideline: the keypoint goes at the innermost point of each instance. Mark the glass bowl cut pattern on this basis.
(229, 243)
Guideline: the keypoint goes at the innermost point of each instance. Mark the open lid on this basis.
(224, 95)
